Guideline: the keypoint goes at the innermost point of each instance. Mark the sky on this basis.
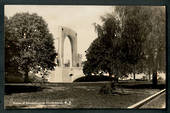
(79, 18)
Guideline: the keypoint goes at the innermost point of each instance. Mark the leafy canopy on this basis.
(28, 43)
(120, 43)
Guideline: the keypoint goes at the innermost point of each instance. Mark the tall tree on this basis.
(154, 34)
(10, 50)
(156, 42)
(121, 41)
(135, 26)
(105, 48)
(33, 43)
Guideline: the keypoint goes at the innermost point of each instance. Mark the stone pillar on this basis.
(74, 52)
(60, 46)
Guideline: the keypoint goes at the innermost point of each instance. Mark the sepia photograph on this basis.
(85, 56)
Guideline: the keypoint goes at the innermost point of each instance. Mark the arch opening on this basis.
(67, 55)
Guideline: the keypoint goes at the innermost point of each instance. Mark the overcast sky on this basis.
(78, 18)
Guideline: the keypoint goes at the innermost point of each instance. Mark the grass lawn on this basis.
(74, 95)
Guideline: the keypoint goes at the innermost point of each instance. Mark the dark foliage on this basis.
(28, 45)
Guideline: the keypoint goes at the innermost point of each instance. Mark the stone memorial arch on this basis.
(65, 32)
(62, 73)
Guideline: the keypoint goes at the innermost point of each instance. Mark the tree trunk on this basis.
(154, 79)
(134, 76)
(149, 75)
(110, 75)
(112, 82)
(108, 87)
(26, 78)
(116, 80)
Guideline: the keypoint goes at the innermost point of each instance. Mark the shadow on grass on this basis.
(93, 79)
(144, 86)
(9, 89)
(134, 84)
